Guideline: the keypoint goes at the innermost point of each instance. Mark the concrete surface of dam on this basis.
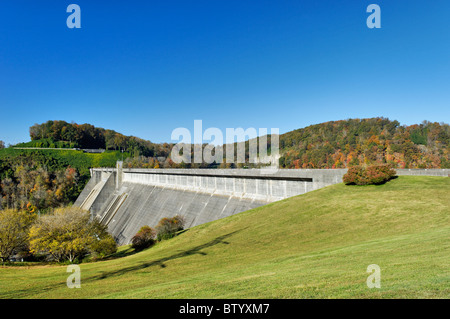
(127, 199)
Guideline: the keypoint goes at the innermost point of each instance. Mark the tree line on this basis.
(87, 136)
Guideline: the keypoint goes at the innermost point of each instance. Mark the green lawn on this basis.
(316, 245)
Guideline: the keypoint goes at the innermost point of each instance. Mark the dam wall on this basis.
(98, 190)
(240, 183)
(424, 172)
(127, 199)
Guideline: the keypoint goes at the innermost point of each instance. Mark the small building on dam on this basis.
(127, 199)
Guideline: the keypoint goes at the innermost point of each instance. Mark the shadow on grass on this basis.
(131, 251)
(120, 254)
(161, 262)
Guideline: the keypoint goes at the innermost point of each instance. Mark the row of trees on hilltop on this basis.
(88, 136)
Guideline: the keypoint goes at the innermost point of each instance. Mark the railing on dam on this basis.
(242, 183)
(253, 187)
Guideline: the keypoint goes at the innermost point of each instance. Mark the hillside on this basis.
(316, 245)
(42, 179)
(340, 144)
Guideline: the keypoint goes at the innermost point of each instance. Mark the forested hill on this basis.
(340, 144)
(61, 134)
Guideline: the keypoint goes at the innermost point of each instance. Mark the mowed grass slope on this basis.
(316, 245)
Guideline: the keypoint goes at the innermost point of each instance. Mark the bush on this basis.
(144, 238)
(371, 175)
(104, 247)
(167, 227)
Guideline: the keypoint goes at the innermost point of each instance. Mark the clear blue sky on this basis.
(145, 69)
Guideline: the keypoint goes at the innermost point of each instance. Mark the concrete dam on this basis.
(127, 199)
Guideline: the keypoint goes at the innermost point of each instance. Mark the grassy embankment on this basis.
(316, 245)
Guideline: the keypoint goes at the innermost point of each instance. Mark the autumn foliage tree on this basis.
(144, 238)
(68, 234)
(167, 227)
(370, 175)
(14, 227)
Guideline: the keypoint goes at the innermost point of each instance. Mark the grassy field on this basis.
(316, 245)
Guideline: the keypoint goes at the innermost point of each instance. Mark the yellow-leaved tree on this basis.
(14, 227)
(68, 233)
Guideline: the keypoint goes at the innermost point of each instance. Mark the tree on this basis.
(119, 141)
(2, 145)
(370, 175)
(103, 243)
(144, 238)
(67, 234)
(9, 192)
(14, 227)
(167, 227)
(36, 132)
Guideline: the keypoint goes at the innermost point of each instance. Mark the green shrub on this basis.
(144, 238)
(103, 247)
(371, 175)
(168, 227)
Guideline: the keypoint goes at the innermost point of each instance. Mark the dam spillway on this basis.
(127, 199)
